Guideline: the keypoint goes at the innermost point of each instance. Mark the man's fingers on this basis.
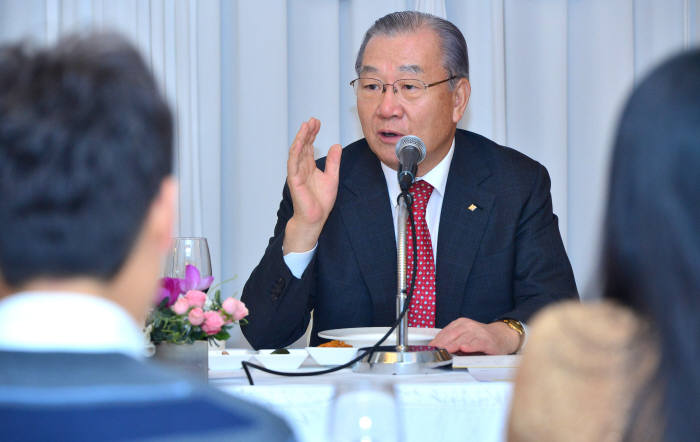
(443, 339)
(295, 151)
(333, 160)
(465, 335)
(302, 134)
(451, 332)
(309, 136)
(315, 125)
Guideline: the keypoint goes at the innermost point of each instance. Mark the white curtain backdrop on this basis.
(548, 78)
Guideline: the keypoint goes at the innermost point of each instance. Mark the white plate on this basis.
(368, 336)
(230, 361)
(283, 362)
(332, 355)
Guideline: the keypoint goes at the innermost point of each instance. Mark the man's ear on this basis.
(461, 97)
(161, 217)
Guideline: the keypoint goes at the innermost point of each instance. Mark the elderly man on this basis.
(490, 252)
(86, 211)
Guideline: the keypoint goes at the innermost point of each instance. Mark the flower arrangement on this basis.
(184, 314)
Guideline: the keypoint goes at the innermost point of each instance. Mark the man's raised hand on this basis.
(313, 191)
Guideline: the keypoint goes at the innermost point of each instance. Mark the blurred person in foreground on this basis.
(86, 214)
(489, 249)
(626, 368)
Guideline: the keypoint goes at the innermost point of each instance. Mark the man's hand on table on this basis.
(313, 191)
(468, 336)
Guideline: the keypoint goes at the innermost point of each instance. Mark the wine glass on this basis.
(364, 411)
(188, 251)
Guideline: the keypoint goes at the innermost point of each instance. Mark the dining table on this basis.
(443, 404)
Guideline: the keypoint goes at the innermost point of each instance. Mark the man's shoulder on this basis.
(119, 386)
(495, 154)
(70, 369)
(502, 161)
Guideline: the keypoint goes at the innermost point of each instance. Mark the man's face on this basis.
(432, 117)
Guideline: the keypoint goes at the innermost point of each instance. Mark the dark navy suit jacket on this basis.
(504, 259)
(113, 397)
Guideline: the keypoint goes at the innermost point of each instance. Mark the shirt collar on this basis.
(436, 177)
(67, 322)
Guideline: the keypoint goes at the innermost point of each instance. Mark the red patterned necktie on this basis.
(422, 312)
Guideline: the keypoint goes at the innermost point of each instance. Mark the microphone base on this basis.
(411, 359)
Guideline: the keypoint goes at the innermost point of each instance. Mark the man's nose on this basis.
(390, 105)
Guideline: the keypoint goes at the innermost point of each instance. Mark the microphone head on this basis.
(411, 141)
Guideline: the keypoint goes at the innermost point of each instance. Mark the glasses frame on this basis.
(393, 85)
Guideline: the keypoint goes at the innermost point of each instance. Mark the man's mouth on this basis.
(388, 136)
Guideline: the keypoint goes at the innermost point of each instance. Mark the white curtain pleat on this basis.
(181, 41)
(548, 78)
(482, 24)
(435, 7)
(536, 117)
(601, 73)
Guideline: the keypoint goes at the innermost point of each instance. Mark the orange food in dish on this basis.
(335, 343)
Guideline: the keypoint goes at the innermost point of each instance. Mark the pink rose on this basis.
(235, 308)
(196, 298)
(196, 316)
(212, 323)
(181, 306)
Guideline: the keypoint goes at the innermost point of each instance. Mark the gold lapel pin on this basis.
(471, 207)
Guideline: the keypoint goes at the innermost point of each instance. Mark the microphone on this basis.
(410, 150)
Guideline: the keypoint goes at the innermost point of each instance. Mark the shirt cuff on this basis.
(298, 262)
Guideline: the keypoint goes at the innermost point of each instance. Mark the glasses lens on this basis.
(368, 87)
(410, 89)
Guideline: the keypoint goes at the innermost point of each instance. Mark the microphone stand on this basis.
(403, 358)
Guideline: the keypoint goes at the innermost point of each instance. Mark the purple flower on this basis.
(193, 280)
(169, 288)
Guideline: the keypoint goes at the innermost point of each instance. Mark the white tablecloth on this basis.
(449, 405)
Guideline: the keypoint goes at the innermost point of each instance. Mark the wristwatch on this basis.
(519, 329)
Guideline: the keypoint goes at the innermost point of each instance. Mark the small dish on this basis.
(332, 355)
(282, 362)
(218, 360)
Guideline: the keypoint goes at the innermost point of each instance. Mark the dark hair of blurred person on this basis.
(626, 368)
(86, 143)
(86, 213)
(652, 232)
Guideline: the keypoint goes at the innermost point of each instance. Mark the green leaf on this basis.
(222, 335)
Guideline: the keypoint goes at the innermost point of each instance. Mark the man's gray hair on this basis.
(454, 48)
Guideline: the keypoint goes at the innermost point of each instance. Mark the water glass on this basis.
(365, 411)
(188, 251)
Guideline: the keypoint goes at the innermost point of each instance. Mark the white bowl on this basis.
(282, 362)
(332, 355)
(231, 361)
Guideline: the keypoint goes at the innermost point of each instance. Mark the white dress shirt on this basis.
(436, 177)
(67, 322)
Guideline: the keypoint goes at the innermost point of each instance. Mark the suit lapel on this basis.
(366, 215)
(461, 229)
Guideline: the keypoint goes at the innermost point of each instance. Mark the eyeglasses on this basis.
(409, 89)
